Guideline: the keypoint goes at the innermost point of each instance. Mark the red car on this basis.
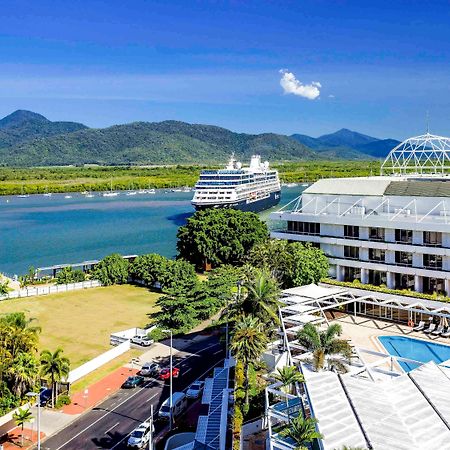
(165, 373)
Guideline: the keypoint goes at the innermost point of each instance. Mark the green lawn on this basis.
(81, 321)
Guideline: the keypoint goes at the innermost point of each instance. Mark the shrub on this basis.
(63, 399)
(69, 275)
(111, 270)
(157, 334)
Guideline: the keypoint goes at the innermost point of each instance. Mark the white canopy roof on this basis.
(313, 291)
(297, 308)
(405, 412)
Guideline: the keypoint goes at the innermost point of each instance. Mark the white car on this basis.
(150, 369)
(140, 436)
(195, 389)
(145, 341)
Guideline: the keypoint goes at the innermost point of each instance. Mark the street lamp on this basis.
(36, 395)
(171, 377)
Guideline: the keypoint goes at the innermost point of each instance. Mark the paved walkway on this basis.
(13, 440)
(94, 394)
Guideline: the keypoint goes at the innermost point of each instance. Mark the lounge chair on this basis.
(430, 329)
(419, 327)
(439, 330)
(446, 334)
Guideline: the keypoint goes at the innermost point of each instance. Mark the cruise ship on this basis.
(253, 188)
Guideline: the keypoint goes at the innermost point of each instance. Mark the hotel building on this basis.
(392, 229)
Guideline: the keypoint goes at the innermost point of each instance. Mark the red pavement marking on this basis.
(13, 439)
(98, 391)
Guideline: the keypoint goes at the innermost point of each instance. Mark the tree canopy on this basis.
(292, 263)
(220, 236)
(112, 269)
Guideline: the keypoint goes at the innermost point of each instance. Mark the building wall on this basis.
(333, 213)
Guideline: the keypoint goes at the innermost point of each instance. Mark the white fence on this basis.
(97, 362)
(45, 290)
(7, 423)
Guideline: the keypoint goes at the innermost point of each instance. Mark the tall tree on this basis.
(291, 263)
(248, 342)
(112, 269)
(56, 366)
(302, 431)
(23, 373)
(259, 297)
(220, 236)
(21, 417)
(325, 346)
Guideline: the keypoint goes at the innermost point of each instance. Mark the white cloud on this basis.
(331, 96)
(291, 85)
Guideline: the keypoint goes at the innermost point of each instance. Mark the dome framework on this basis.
(427, 154)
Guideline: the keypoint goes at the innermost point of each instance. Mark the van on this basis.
(179, 404)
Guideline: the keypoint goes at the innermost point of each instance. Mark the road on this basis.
(108, 425)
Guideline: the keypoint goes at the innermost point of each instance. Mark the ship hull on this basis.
(243, 205)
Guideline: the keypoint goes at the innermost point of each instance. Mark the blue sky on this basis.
(380, 65)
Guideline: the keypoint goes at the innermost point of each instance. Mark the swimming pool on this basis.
(416, 349)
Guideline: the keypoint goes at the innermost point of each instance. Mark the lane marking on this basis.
(102, 417)
(185, 389)
(152, 397)
(109, 429)
(218, 351)
(187, 371)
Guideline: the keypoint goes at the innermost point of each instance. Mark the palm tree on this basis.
(23, 372)
(248, 342)
(56, 366)
(288, 376)
(259, 298)
(21, 335)
(325, 344)
(21, 417)
(302, 431)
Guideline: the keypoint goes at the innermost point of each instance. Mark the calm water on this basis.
(41, 231)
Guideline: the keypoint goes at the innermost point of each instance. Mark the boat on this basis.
(151, 191)
(131, 193)
(22, 194)
(67, 196)
(254, 188)
(47, 194)
(186, 189)
(89, 195)
(111, 193)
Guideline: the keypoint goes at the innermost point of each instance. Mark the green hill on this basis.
(21, 126)
(168, 142)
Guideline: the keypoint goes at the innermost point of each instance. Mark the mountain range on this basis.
(30, 139)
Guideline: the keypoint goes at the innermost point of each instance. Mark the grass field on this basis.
(81, 321)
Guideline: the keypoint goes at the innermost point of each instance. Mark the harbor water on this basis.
(46, 230)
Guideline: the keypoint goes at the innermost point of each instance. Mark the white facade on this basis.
(392, 230)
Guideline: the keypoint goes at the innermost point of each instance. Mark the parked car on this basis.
(165, 373)
(144, 341)
(45, 395)
(140, 436)
(179, 404)
(133, 381)
(150, 369)
(195, 389)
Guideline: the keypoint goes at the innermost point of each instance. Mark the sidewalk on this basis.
(13, 439)
(96, 393)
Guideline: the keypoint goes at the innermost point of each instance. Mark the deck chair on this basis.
(419, 327)
(439, 330)
(446, 333)
(430, 329)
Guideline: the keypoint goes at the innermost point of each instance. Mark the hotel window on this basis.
(351, 252)
(376, 254)
(433, 238)
(404, 236)
(351, 232)
(311, 228)
(403, 258)
(432, 261)
(376, 234)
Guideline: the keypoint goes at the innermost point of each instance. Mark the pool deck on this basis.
(364, 331)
